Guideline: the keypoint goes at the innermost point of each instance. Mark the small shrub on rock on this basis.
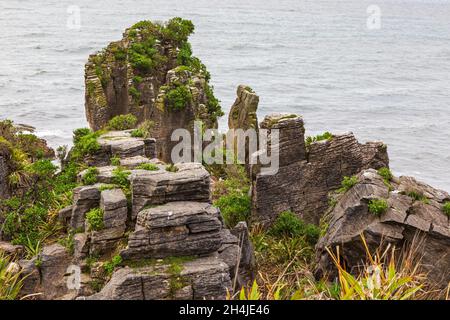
(111, 265)
(90, 177)
(115, 161)
(85, 143)
(320, 137)
(378, 206)
(385, 173)
(137, 133)
(148, 167)
(347, 183)
(122, 122)
(446, 208)
(290, 225)
(120, 178)
(95, 219)
(417, 196)
(235, 207)
(79, 133)
(179, 97)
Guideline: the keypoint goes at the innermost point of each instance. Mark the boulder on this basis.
(30, 279)
(175, 229)
(190, 183)
(205, 278)
(48, 281)
(105, 241)
(64, 216)
(10, 249)
(80, 246)
(410, 220)
(308, 174)
(238, 253)
(243, 111)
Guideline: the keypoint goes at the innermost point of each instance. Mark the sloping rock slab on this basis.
(406, 222)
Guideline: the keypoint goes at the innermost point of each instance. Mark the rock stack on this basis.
(308, 173)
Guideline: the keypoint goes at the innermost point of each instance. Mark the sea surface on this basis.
(316, 58)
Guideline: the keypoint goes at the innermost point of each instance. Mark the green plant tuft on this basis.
(138, 133)
(321, 137)
(95, 219)
(122, 122)
(120, 177)
(418, 196)
(378, 206)
(111, 265)
(172, 168)
(347, 183)
(179, 97)
(115, 161)
(90, 177)
(385, 173)
(290, 225)
(234, 207)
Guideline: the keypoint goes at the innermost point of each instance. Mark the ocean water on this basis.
(316, 58)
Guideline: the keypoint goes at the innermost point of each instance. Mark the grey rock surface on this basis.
(175, 229)
(408, 222)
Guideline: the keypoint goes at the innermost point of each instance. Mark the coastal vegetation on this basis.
(285, 244)
(347, 183)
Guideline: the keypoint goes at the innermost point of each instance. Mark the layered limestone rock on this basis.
(170, 217)
(308, 173)
(243, 111)
(188, 182)
(151, 74)
(120, 144)
(175, 229)
(205, 278)
(114, 207)
(243, 117)
(414, 218)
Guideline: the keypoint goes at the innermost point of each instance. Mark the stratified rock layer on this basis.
(408, 222)
(189, 183)
(307, 175)
(175, 229)
(205, 278)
